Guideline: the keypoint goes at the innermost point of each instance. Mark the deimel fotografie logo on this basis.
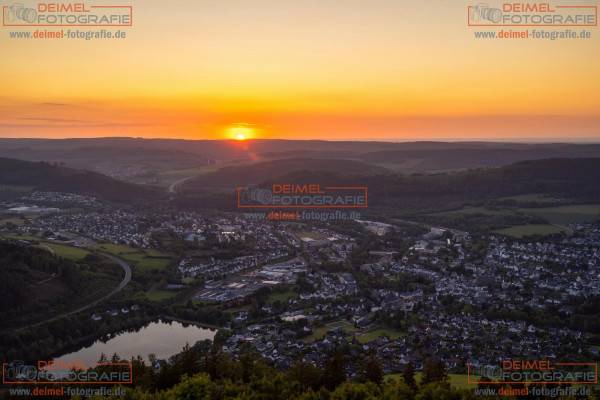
(532, 14)
(55, 372)
(39, 14)
(313, 195)
(534, 372)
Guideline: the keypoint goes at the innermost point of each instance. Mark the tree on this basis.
(334, 373)
(306, 374)
(372, 371)
(188, 361)
(197, 387)
(409, 376)
(440, 391)
(397, 390)
(356, 391)
(434, 370)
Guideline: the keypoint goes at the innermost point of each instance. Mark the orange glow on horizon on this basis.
(240, 132)
(380, 70)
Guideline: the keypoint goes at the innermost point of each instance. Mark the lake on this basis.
(163, 338)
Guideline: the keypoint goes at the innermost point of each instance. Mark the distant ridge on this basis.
(271, 170)
(49, 177)
(160, 154)
(574, 178)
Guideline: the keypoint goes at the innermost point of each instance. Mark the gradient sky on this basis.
(327, 69)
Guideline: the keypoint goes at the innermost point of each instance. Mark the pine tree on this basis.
(334, 373)
(372, 370)
(434, 371)
(409, 376)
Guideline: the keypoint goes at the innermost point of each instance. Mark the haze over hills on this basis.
(201, 165)
(143, 160)
(263, 171)
(46, 177)
(568, 178)
(387, 168)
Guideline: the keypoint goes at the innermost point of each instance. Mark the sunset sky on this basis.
(327, 69)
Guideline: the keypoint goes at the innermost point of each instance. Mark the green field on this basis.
(521, 231)
(563, 215)
(73, 253)
(283, 297)
(13, 188)
(534, 198)
(476, 210)
(165, 178)
(317, 334)
(168, 177)
(61, 250)
(363, 337)
(16, 221)
(371, 335)
(141, 259)
(160, 295)
(320, 332)
(560, 215)
(459, 381)
(237, 309)
(116, 248)
(557, 217)
(16, 236)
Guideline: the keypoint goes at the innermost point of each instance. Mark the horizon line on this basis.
(549, 140)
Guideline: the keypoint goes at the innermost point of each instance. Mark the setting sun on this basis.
(240, 132)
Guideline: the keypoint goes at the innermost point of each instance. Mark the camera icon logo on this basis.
(18, 12)
(19, 371)
(257, 195)
(483, 11)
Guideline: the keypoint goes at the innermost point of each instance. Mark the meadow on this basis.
(320, 332)
(521, 231)
(282, 297)
(549, 220)
(70, 252)
(160, 295)
(562, 215)
(374, 334)
(141, 259)
(363, 336)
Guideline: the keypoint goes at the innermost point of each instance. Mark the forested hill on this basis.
(50, 177)
(270, 170)
(23, 267)
(575, 179)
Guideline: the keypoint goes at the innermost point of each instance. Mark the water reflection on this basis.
(162, 338)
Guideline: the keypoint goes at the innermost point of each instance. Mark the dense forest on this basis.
(25, 271)
(204, 372)
(36, 286)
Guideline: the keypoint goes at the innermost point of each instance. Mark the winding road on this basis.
(173, 186)
(126, 279)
